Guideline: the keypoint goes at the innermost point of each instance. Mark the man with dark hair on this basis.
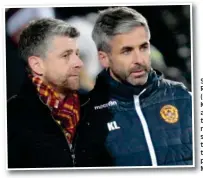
(134, 117)
(43, 117)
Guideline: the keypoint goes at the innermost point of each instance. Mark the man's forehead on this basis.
(59, 40)
(63, 43)
(137, 36)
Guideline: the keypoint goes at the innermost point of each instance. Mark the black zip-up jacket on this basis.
(35, 140)
(123, 125)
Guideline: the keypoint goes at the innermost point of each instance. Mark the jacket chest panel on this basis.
(170, 129)
(124, 134)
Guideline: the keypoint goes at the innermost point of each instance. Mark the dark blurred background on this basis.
(170, 40)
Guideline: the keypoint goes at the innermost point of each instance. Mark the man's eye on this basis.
(145, 47)
(126, 52)
(66, 55)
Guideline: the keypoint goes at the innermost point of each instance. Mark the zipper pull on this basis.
(73, 157)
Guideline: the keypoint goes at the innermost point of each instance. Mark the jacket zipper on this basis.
(145, 129)
(70, 145)
(76, 134)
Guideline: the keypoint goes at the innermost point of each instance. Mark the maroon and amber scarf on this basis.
(65, 112)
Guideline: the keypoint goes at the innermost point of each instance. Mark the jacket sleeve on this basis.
(187, 131)
(17, 141)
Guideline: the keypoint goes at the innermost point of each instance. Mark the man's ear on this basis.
(104, 59)
(36, 65)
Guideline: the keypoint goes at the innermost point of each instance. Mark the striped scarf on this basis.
(66, 112)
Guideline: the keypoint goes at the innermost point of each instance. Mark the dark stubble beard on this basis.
(123, 76)
(62, 87)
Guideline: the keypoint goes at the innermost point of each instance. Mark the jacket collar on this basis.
(28, 90)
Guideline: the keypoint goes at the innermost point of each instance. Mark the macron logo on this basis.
(109, 104)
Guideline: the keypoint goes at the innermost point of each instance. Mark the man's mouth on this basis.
(138, 73)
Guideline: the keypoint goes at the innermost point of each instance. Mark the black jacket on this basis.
(34, 138)
(123, 125)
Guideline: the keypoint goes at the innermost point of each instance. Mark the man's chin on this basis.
(69, 89)
(138, 81)
(73, 87)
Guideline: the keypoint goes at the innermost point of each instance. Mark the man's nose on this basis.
(137, 57)
(79, 62)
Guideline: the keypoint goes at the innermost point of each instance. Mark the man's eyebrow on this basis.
(128, 48)
(67, 51)
(145, 43)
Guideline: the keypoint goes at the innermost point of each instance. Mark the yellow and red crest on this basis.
(169, 114)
